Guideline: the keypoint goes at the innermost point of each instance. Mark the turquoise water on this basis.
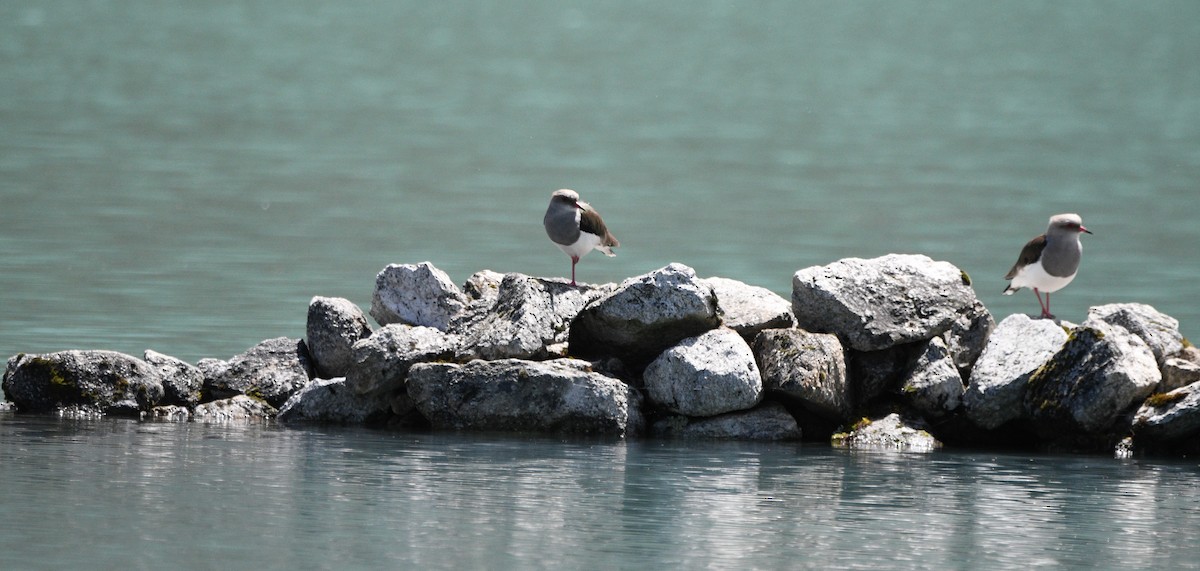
(184, 177)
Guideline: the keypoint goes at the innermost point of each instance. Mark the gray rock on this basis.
(271, 371)
(1169, 416)
(1178, 373)
(768, 422)
(883, 302)
(1101, 371)
(1159, 330)
(334, 326)
(182, 382)
(888, 433)
(330, 400)
(707, 375)
(382, 361)
(212, 369)
(645, 315)
(529, 318)
(236, 410)
(877, 373)
(171, 413)
(103, 382)
(1016, 349)
(806, 368)
(933, 386)
(968, 336)
(558, 396)
(749, 309)
(416, 294)
(483, 285)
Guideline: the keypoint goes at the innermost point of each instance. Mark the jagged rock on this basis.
(1169, 416)
(334, 325)
(382, 361)
(181, 381)
(558, 396)
(271, 370)
(212, 369)
(330, 400)
(934, 387)
(1178, 373)
(883, 302)
(645, 315)
(805, 368)
(770, 421)
(749, 309)
(1100, 372)
(1017, 347)
(1159, 330)
(888, 433)
(237, 409)
(482, 286)
(710, 374)
(967, 337)
(103, 382)
(528, 318)
(171, 413)
(877, 373)
(416, 294)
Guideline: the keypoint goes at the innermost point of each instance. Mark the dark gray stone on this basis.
(710, 374)
(767, 422)
(968, 336)
(1169, 416)
(1016, 349)
(101, 382)
(1178, 373)
(271, 370)
(416, 294)
(182, 382)
(334, 326)
(806, 368)
(749, 309)
(933, 386)
(330, 400)
(382, 361)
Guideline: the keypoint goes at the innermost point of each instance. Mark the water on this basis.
(184, 177)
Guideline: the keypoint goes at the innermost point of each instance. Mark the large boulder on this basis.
(182, 382)
(1159, 330)
(557, 396)
(934, 386)
(1100, 372)
(1169, 416)
(645, 315)
(529, 318)
(103, 382)
(416, 294)
(271, 371)
(882, 302)
(334, 325)
(891, 432)
(330, 400)
(806, 368)
(749, 309)
(1017, 348)
(382, 361)
(706, 375)
(767, 422)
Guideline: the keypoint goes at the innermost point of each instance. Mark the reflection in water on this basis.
(149, 494)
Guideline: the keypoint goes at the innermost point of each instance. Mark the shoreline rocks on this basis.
(899, 346)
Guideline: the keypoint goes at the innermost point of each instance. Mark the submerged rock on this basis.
(770, 421)
(382, 361)
(1159, 330)
(749, 309)
(238, 409)
(706, 375)
(558, 396)
(104, 382)
(416, 294)
(891, 432)
(181, 381)
(1017, 348)
(806, 368)
(330, 400)
(883, 302)
(271, 370)
(334, 325)
(934, 386)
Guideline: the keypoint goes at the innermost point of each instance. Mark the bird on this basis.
(576, 228)
(1049, 262)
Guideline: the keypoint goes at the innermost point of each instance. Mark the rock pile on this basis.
(892, 352)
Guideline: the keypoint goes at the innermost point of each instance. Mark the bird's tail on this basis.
(1010, 289)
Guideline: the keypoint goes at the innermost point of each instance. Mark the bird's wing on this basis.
(590, 222)
(1029, 254)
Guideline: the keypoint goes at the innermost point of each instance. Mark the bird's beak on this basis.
(1082, 229)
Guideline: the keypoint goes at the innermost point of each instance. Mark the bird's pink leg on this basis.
(1045, 306)
(575, 260)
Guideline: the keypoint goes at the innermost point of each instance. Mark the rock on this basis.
(645, 315)
(1169, 416)
(271, 371)
(749, 309)
(382, 361)
(967, 337)
(1099, 372)
(934, 387)
(417, 294)
(1159, 330)
(102, 382)
(558, 396)
(240, 408)
(883, 302)
(330, 400)
(877, 373)
(1016, 349)
(806, 368)
(212, 369)
(171, 413)
(1178, 373)
(334, 326)
(182, 382)
(768, 422)
(528, 319)
(484, 286)
(707, 375)
(888, 433)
